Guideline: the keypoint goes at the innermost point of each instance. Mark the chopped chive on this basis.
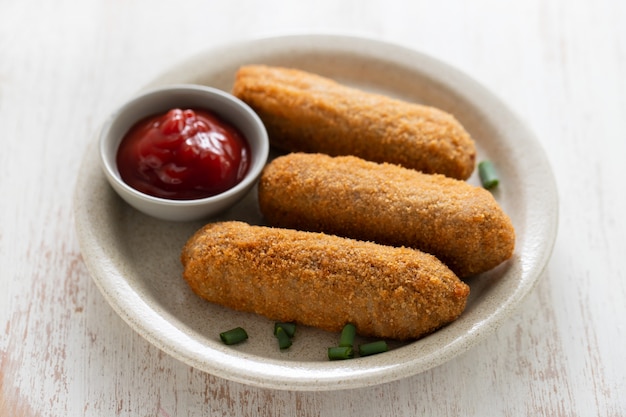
(340, 353)
(373, 348)
(289, 328)
(283, 338)
(233, 336)
(347, 335)
(488, 175)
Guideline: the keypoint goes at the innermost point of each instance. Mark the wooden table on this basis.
(559, 64)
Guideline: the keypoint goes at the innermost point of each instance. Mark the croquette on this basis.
(459, 223)
(305, 112)
(322, 280)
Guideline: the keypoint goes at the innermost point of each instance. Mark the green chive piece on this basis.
(488, 176)
(340, 353)
(289, 328)
(233, 336)
(347, 335)
(283, 338)
(373, 348)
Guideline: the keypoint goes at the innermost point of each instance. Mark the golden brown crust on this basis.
(322, 280)
(461, 224)
(305, 112)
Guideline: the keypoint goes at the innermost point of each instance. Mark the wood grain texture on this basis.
(65, 65)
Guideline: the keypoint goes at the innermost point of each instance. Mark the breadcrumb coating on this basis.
(322, 280)
(304, 112)
(460, 224)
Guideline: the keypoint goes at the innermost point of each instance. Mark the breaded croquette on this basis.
(322, 280)
(460, 224)
(304, 112)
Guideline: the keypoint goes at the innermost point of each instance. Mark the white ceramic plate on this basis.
(134, 259)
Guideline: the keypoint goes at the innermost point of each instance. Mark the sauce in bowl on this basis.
(184, 154)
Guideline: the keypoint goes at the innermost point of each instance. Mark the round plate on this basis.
(134, 259)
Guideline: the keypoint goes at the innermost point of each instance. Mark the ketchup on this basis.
(183, 155)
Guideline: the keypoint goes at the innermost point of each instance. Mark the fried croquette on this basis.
(460, 224)
(304, 112)
(322, 280)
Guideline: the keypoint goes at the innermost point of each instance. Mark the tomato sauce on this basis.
(183, 155)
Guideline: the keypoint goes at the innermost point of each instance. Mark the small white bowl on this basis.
(160, 100)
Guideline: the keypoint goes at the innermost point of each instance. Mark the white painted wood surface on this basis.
(561, 64)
